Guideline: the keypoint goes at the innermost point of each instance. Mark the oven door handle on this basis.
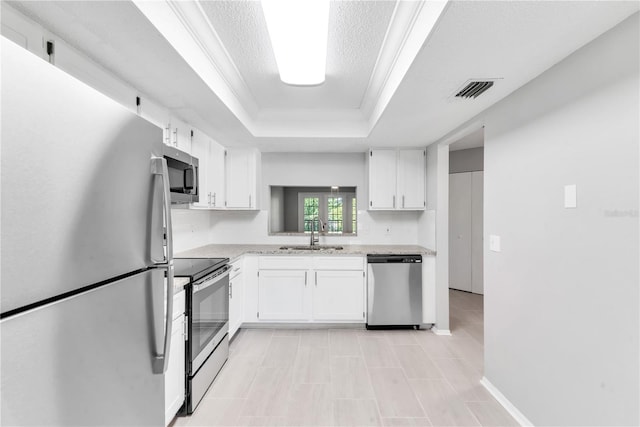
(200, 286)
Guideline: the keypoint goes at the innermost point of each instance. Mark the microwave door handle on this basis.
(159, 167)
(194, 177)
(189, 180)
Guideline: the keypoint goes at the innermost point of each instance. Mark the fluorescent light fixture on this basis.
(299, 30)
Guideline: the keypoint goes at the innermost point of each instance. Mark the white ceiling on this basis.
(357, 32)
(390, 79)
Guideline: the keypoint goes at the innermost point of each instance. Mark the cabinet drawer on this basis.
(236, 268)
(284, 263)
(178, 304)
(338, 263)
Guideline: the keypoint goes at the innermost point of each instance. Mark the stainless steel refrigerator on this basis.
(86, 257)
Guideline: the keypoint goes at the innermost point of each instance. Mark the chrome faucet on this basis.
(315, 239)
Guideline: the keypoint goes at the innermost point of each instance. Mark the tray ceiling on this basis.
(392, 67)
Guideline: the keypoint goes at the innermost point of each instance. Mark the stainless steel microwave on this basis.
(183, 175)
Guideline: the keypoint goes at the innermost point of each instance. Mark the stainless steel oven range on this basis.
(207, 310)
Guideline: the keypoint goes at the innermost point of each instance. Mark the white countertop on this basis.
(179, 283)
(234, 251)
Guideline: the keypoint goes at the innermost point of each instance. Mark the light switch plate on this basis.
(494, 243)
(570, 196)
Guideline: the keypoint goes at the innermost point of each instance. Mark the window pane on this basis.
(354, 212)
(311, 205)
(334, 214)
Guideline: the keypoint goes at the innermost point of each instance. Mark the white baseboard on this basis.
(506, 403)
(441, 331)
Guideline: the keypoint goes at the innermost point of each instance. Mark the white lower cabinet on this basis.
(311, 289)
(236, 293)
(174, 377)
(338, 295)
(283, 295)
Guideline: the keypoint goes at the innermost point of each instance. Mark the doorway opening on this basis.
(466, 205)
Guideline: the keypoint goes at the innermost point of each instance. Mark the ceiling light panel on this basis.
(298, 30)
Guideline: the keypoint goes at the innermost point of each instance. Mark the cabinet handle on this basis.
(167, 138)
(403, 200)
(394, 201)
(185, 330)
(305, 278)
(249, 200)
(209, 198)
(175, 137)
(214, 199)
(231, 290)
(316, 279)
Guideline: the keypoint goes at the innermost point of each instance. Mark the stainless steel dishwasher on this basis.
(394, 291)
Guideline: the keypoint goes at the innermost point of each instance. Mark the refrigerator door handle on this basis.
(161, 361)
(159, 167)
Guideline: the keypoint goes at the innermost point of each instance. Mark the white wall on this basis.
(469, 160)
(317, 169)
(196, 228)
(562, 296)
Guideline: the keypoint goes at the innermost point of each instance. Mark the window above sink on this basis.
(299, 210)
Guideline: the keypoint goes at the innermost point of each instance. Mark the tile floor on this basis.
(355, 377)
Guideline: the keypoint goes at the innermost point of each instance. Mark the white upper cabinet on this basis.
(178, 134)
(397, 179)
(242, 171)
(411, 179)
(210, 157)
(382, 179)
(201, 149)
(216, 175)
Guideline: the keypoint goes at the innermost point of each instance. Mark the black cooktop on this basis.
(196, 268)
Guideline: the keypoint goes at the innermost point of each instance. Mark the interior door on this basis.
(87, 360)
(460, 231)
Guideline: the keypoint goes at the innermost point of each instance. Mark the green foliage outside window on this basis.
(311, 212)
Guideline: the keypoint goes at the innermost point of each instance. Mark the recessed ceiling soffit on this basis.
(186, 26)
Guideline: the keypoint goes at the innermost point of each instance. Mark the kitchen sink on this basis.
(311, 248)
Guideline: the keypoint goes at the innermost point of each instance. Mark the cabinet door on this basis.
(282, 295)
(411, 179)
(216, 175)
(382, 179)
(236, 289)
(239, 177)
(460, 231)
(201, 150)
(174, 387)
(180, 135)
(338, 295)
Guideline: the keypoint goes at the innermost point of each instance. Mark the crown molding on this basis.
(186, 27)
(411, 25)
(321, 123)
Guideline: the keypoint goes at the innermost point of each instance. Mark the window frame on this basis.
(323, 211)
